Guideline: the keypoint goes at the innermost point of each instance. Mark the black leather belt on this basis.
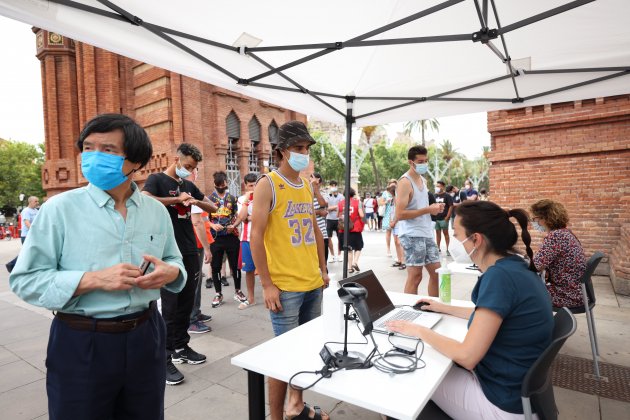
(107, 325)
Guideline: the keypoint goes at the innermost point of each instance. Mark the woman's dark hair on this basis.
(552, 212)
(490, 220)
(136, 143)
(219, 177)
(352, 193)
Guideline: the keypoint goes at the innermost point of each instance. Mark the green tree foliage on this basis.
(20, 166)
(326, 160)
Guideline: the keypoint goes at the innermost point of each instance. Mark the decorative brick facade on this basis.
(80, 81)
(579, 154)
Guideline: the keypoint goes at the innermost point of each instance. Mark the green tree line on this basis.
(21, 169)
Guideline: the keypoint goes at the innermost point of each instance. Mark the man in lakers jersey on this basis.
(285, 232)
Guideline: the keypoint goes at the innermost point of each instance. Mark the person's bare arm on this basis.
(169, 201)
(467, 354)
(320, 198)
(403, 194)
(205, 204)
(260, 217)
(319, 240)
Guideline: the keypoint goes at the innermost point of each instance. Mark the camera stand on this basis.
(343, 359)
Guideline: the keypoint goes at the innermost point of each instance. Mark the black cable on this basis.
(387, 366)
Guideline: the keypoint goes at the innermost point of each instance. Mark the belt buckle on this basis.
(133, 322)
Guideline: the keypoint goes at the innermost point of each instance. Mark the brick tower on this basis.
(235, 133)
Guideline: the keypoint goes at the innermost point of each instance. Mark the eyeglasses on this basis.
(536, 219)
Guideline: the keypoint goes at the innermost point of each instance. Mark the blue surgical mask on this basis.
(182, 172)
(103, 170)
(537, 226)
(298, 161)
(421, 168)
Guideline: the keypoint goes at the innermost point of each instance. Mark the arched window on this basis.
(233, 131)
(254, 137)
(274, 138)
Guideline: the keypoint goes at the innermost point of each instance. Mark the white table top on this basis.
(400, 396)
(459, 268)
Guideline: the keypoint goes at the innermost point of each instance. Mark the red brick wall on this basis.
(579, 154)
(80, 81)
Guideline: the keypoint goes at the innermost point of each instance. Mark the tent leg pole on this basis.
(346, 208)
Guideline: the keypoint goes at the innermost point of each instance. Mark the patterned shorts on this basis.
(419, 251)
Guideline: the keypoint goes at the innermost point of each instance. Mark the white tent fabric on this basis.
(588, 35)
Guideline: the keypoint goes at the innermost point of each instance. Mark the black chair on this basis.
(588, 294)
(537, 390)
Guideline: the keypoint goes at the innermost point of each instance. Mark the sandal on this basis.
(356, 267)
(351, 270)
(305, 412)
(397, 264)
(402, 267)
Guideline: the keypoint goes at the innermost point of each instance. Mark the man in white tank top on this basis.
(414, 227)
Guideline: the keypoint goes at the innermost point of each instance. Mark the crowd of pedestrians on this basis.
(152, 244)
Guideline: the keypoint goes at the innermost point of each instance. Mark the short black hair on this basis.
(441, 183)
(187, 149)
(250, 177)
(415, 151)
(449, 188)
(136, 143)
(352, 192)
(219, 177)
(318, 176)
(333, 182)
(483, 191)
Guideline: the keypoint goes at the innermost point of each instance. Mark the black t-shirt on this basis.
(431, 201)
(162, 185)
(463, 196)
(448, 202)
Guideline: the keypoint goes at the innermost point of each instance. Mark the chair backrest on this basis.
(537, 381)
(587, 280)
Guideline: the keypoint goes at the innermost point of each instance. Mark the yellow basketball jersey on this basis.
(290, 236)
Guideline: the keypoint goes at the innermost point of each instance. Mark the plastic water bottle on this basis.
(445, 282)
(332, 312)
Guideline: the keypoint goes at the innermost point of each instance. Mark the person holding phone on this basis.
(81, 259)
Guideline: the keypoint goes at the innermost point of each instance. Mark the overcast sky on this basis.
(21, 114)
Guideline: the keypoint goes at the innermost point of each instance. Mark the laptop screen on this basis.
(378, 302)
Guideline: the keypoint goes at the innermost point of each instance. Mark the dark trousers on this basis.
(176, 307)
(94, 375)
(196, 310)
(230, 245)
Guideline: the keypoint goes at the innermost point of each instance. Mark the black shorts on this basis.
(332, 226)
(355, 241)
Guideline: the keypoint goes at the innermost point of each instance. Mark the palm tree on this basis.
(448, 153)
(422, 126)
(369, 131)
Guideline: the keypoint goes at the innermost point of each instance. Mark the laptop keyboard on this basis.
(400, 315)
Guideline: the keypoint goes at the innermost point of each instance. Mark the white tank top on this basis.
(419, 226)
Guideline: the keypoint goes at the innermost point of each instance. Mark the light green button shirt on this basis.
(79, 231)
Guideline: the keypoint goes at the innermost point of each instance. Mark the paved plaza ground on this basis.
(218, 390)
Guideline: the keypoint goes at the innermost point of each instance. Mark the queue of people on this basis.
(152, 245)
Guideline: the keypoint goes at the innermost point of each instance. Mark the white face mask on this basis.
(438, 190)
(537, 226)
(457, 250)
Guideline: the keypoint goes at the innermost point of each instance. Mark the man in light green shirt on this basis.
(82, 258)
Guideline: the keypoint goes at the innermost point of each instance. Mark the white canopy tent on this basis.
(365, 61)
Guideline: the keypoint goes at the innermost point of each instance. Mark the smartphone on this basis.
(144, 267)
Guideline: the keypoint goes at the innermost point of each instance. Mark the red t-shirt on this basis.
(354, 214)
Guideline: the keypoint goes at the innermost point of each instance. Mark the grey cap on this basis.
(291, 133)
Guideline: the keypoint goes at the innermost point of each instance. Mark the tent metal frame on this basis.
(485, 36)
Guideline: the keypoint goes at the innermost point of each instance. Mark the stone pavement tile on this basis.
(238, 383)
(246, 332)
(18, 317)
(345, 411)
(604, 292)
(624, 301)
(217, 371)
(215, 402)
(25, 332)
(192, 385)
(214, 348)
(612, 336)
(613, 409)
(17, 374)
(32, 350)
(44, 417)
(26, 402)
(6, 356)
(574, 405)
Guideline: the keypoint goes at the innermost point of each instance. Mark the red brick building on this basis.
(234, 132)
(579, 154)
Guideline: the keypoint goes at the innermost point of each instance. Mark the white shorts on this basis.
(461, 397)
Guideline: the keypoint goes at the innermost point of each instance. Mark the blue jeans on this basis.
(297, 308)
